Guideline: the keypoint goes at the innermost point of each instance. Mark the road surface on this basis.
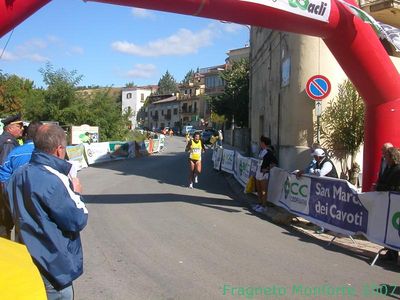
(151, 237)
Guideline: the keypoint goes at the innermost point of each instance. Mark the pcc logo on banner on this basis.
(296, 194)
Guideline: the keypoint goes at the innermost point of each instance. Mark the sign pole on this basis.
(318, 88)
(318, 111)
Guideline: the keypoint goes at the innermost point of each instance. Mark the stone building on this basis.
(281, 64)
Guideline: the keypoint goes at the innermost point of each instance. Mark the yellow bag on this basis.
(251, 185)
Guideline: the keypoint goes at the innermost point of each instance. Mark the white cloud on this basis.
(142, 13)
(75, 50)
(34, 49)
(142, 71)
(9, 56)
(232, 27)
(31, 46)
(36, 44)
(181, 43)
(36, 57)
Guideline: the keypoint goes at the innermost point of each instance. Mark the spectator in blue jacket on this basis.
(20, 155)
(49, 213)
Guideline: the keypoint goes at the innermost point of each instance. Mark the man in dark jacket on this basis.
(323, 166)
(13, 128)
(49, 213)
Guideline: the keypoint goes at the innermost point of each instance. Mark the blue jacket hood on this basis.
(61, 165)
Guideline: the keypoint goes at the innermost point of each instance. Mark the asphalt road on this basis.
(151, 237)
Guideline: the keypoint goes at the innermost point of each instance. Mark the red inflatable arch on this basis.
(353, 43)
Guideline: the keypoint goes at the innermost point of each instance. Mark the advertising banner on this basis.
(121, 150)
(162, 141)
(144, 147)
(336, 205)
(76, 154)
(227, 162)
(97, 152)
(255, 163)
(242, 168)
(217, 158)
(392, 231)
(314, 9)
(156, 145)
(84, 134)
(384, 218)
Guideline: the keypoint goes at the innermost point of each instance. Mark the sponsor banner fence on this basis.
(332, 203)
(227, 162)
(162, 141)
(97, 152)
(336, 205)
(242, 168)
(122, 150)
(156, 145)
(217, 158)
(76, 154)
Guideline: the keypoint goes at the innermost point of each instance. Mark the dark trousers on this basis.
(6, 221)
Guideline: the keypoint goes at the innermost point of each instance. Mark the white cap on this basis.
(318, 152)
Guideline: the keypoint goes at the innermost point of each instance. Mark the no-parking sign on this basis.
(318, 87)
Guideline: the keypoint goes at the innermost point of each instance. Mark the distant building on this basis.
(134, 98)
(237, 55)
(163, 113)
(214, 84)
(193, 106)
(282, 63)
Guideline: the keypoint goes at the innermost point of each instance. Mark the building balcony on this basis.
(215, 90)
(385, 11)
(188, 112)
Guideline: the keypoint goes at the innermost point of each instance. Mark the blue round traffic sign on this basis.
(318, 87)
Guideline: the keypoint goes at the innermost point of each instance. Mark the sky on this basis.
(113, 45)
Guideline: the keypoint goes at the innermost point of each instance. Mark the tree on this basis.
(104, 111)
(342, 127)
(167, 84)
(234, 102)
(130, 84)
(34, 106)
(60, 93)
(188, 77)
(66, 105)
(14, 91)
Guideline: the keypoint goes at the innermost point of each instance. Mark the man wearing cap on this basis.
(323, 166)
(13, 128)
(320, 166)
